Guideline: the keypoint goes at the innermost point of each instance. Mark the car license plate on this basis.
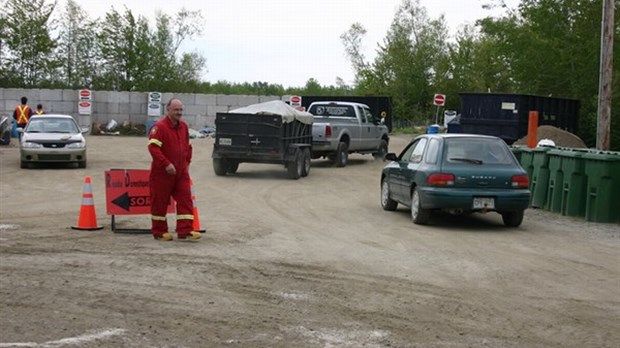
(484, 203)
(225, 141)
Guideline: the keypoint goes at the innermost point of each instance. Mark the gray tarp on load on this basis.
(276, 107)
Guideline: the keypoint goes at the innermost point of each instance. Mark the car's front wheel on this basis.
(387, 203)
(419, 215)
(513, 218)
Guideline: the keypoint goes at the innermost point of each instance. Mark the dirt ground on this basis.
(313, 262)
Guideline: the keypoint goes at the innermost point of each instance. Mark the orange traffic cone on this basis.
(196, 224)
(88, 218)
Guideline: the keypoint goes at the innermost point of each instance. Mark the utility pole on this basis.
(603, 125)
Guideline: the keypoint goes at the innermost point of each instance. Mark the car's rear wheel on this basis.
(387, 203)
(513, 218)
(419, 215)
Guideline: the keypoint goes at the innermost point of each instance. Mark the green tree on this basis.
(408, 63)
(552, 48)
(76, 48)
(26, 35)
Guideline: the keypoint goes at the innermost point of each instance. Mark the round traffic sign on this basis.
(439, 99)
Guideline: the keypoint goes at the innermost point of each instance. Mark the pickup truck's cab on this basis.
(341, 128)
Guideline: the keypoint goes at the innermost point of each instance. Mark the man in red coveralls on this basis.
(172, 152)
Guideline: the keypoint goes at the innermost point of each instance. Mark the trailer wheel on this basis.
(232, 167)
(295, 167)
(342, 154)
(219, 166)
(306, 162)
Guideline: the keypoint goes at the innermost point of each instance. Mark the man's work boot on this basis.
(191, 236)
(165, 237)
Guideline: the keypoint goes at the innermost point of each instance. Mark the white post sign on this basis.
(154, 104)
(85, 102)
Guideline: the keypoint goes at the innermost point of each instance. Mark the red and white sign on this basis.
(86, 94)
(439, 99)
(127, 192)
(295, 101)
(85, 107)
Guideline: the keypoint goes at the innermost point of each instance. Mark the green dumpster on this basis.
(574, 183)
(603, 186)
(540, 176)
(526, 159)
(517, 150)
(556, 179)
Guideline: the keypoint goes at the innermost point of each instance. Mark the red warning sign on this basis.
(127, 192)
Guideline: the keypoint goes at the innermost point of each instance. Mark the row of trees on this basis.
(542, 47)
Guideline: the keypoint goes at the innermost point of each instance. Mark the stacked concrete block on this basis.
(200, 109)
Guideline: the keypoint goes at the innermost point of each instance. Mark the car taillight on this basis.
(328, 131)
(520, 181)
(440, 179)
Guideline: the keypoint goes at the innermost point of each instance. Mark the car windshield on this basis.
(477, 151)
(52, 125)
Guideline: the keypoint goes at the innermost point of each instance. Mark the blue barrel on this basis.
(14, 131)
(149, 124)
(433, 129)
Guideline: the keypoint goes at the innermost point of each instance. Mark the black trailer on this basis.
(262, 138)
(507, 115)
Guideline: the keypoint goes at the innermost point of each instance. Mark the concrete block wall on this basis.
(200, 109)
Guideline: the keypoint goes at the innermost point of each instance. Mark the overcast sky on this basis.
(287, 42)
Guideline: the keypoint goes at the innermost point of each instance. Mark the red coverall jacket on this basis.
(170, 144)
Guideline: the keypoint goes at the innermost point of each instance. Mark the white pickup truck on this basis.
(341, 128)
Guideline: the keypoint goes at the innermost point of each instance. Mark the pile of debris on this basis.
(560, 137)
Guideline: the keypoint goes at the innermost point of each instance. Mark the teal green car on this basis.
(458, 173)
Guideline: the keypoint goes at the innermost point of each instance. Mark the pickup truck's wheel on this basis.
(295, 167)
(387, 203)
(512, 218)
(306, 162)
(382, 151)
(419, 215)
(342, 154)
(219, 166)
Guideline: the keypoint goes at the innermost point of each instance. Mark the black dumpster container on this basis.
(506, 115)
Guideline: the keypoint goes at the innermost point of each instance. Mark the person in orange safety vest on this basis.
(171, 151)
(22, 113)
(39, 110)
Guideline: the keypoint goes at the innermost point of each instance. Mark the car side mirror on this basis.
(19, 130)
(391, 157)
